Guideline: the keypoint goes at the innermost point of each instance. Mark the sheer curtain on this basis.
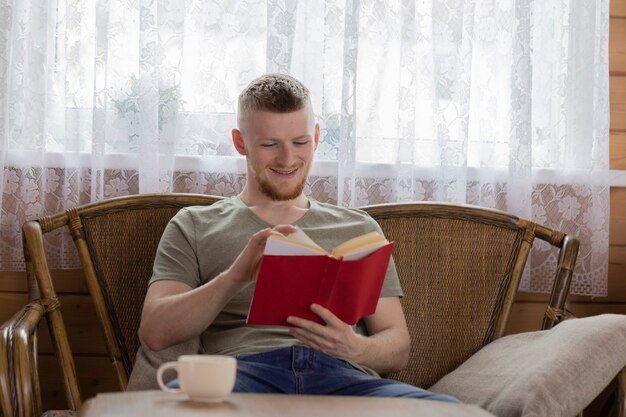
(502, 104)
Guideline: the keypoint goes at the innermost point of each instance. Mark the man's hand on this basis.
(245, 269)
(336, 338)
(385, 349)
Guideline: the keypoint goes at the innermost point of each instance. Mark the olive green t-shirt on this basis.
(201, 242)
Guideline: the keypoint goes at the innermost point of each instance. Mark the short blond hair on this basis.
(278, 93)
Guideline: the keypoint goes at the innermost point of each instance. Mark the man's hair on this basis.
(278, 93)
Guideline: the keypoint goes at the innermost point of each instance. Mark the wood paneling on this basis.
(525, 315)
(594, 308)
(95, 374)
(618, 103)
(618, 8)
(617, 280)
(617, 46)
(80, 320)
(617, 224)
(65, 281)
(618, 149)
(83, 329)
(12, 281)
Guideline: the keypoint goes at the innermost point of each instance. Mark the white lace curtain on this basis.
(502, 104)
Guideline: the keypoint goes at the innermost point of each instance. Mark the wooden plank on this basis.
(537, 297)
(594, 308)
(618, 149)
(13, 281)
(64, 281)
(83, 329)
(10, 303)
(617, 255)
(618, 103)
(617, 280)
(95, 374)
(525, 315)
(617, 8)
(617, 251)
(617, 46)
(617, 221)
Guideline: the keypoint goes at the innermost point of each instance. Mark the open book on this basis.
(295, 272)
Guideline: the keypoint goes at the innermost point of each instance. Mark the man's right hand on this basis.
(245, 269)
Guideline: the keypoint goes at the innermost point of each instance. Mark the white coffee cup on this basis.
(205, 378)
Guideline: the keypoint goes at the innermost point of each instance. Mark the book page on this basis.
(363, 251)
(359, 242)
(301, 237)
(280, 245)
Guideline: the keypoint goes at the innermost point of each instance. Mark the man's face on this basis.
(279, 151)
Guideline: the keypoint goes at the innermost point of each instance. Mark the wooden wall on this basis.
(617, 232)
(93, 367)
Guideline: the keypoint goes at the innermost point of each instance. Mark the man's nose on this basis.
(286, 155)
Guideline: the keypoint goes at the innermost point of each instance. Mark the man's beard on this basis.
(277, 194)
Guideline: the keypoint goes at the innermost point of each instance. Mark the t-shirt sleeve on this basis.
(391, 285)
(176, 256)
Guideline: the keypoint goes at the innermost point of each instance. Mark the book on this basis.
(295, 272)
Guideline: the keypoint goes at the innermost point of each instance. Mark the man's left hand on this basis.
(336, 338)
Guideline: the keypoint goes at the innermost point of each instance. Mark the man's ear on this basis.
(238, 142)
(316, 135)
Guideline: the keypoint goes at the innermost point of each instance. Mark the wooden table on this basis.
(158, 403)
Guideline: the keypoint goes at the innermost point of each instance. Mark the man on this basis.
(209, 257)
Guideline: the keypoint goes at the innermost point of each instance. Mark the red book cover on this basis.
(287, 285)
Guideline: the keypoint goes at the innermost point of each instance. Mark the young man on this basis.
(209, 257)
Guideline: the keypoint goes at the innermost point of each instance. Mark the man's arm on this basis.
(173, 312)
(385, 350)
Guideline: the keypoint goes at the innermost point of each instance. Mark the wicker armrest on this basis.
(19, 379)
(7, 373)
(554, 372)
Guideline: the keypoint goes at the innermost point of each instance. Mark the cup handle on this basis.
(164, 367)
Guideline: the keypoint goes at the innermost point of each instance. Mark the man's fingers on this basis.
(260, 237)
(308, 325)
(326, 315)
(311, 339)
(285, 229)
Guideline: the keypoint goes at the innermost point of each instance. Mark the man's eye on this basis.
(300, 143)
(268, 145)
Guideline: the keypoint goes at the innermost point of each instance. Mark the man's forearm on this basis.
(384, 352)
(175, 318)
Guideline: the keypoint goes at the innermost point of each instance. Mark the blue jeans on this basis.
(301, 370)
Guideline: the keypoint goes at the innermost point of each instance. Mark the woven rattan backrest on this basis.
(458, 269)
(122, 243)
(122, 246)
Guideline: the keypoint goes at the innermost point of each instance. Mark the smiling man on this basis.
(208, 260)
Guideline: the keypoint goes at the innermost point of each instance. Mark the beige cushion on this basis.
(548, 373)
(147, 362)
